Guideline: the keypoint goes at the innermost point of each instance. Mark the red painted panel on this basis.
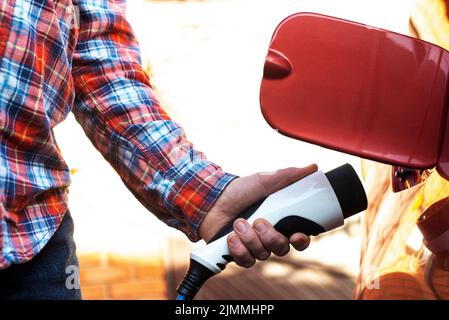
(357, 89)
(443, 160)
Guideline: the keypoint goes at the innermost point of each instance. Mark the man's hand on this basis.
(258, 241)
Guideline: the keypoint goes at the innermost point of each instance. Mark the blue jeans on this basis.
(45, 276)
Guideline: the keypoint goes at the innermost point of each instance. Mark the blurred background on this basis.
(206, 59)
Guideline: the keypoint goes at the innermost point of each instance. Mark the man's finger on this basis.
(270, 238)
(250, 239)
(241, 255)
(300, 241)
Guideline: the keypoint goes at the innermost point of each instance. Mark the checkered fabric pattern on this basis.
(82, 56)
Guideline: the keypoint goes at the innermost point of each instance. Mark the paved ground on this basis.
(206, 60)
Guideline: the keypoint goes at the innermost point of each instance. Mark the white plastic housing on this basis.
(311, 198)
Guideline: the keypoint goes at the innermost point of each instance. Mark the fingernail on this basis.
(235, 241)
(241, 227)
(260, 227)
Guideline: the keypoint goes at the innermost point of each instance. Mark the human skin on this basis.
(249, 243)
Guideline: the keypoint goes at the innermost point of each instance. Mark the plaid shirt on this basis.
(82, 56)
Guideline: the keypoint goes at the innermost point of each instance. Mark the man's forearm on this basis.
(120, 114)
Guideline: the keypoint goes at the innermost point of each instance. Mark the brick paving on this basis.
(119, 277)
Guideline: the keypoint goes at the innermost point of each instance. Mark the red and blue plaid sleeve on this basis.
(120, 114)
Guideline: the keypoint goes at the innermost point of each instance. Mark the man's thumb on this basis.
(271, 182)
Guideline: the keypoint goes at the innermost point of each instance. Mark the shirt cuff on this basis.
(194, 194)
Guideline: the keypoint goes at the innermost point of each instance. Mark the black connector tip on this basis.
(349, 190)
